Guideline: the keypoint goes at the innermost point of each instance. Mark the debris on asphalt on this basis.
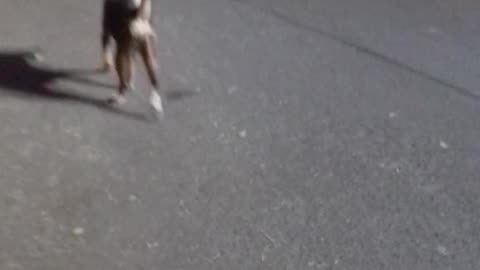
(392, 115)
(78, 231)
(153, 245)
(444, 145)
(442, 250)
(132, 198)
(242, 134)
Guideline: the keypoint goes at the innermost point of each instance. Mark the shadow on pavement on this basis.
(179, 94)
(21, 74)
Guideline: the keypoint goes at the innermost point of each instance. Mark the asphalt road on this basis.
(298, 135)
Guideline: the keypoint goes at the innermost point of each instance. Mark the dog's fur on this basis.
(128, 23)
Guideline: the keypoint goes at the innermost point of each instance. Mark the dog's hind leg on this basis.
(148, 57)
(123, 67)
(106, 37)
(151, 66)
(107, 58)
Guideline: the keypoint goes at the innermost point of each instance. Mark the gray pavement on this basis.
(298, 135)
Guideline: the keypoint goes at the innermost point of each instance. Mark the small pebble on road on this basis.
(242, 134)
(78, 231)
(444, 145)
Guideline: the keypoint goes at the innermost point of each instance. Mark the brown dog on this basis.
(128, 23)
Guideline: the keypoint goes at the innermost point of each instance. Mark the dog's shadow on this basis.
(22, 74)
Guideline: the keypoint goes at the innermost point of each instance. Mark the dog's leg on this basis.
(107, 57)
(148, 58)
(146, 51)
(123, 67)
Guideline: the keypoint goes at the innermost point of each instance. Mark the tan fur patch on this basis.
(141, 28)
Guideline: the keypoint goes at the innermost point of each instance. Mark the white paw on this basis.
(156, 102)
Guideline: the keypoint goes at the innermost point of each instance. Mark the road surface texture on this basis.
(298, 135)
